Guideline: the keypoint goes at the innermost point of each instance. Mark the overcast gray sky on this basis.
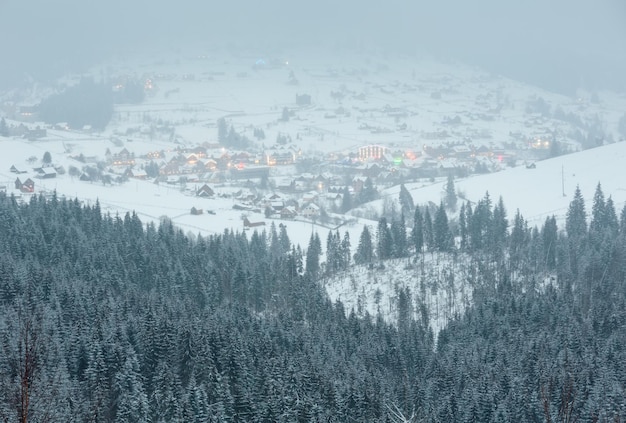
(554, 43)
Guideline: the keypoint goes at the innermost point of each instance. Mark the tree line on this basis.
(107, 319)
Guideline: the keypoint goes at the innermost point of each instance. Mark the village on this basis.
(278, 183)
(320, 137)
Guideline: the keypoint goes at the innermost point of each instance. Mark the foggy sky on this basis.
(557, 44)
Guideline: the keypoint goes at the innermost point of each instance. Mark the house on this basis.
(333, 196)
(449, 164)
(245, 195)
(310, 196)
(300, 185)
(191, 159)
(371, 170)
(369, 152)
(358, 183)
(248, 224)
(124, 157)
(271, 199)
(186, 169)
(136, 173)
(170, 169)
(17, 170)
(326, 177)
(305, 177)
(27, 186)
(279, 157)
(277, 205)
(195, 211)
(285, 184)
(321, 182)
(241, 157)
(205, 191)
(46, 173)
(462, 151)
(209, 164)
(288, 212)
(311, 211)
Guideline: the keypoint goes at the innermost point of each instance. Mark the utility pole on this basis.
(562, 180)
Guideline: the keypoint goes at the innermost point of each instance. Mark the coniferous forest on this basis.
(107, 319)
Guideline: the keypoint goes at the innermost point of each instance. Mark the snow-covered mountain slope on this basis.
(437, 284)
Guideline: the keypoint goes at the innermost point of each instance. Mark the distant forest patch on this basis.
(88, 103)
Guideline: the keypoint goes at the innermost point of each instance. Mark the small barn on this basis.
(205, 191)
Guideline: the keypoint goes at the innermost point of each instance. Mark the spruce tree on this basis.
(442, 235)
(222, 131)
(398, 235)
(47, 158)
(333, 252)
(463, 228)
(131, 399)
(365, 252)
(345, 250)
(313, 255)
(549, 235)
(610, 217)
(517, 240)
(480, 224)
(576, 221)
(469, 219)
(451, 198)
(406, 200)
(622, 221)
(498, 231)
(598, 221)
(384, 240)
(429, 235)
(417, 233)
(283, 239)
(576, 229)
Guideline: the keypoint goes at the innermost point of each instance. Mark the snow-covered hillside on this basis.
(438, 284)
(406, 104)
(540, 192)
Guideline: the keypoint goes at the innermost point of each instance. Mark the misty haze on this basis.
(560, 45)
(322, 211)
